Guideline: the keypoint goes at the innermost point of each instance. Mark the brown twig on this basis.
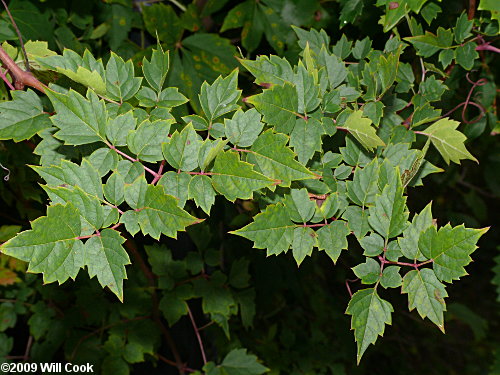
(25, 55)
(197, 332)
(28, 348)
(472, 9)
(20, 77)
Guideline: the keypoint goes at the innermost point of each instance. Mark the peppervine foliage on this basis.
(322, 157)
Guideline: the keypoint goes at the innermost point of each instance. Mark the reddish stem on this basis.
(487, 47)
(414, 265)
(159, 173)
(132, 159)
(198, 336)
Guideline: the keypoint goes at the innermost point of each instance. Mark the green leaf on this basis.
(160, 214)
(176, 184)
(80, 121)
(466, 54)
(492, 6)
(114, 189)
(272, 229)
(243, 128)
(209, 151)
(306, 138)
(463, 28)
(88, 206)
(146, 141)
(335, 68)
(357, 219)
(300, 207)
(106, 258)
(350, 10)
(450, 249)
(85, 70)
(391, 277)
(278, 105)
(428, 44)
(448, 141)
(272, 70)
(234, 178)
(85, 176)
(368, 272)
(201, 190)
(409, 242)
(303, 242)
(120, 81)
(52, 246)
(220, 97)
(369, 313)
(427, 294)
(181, 151)
(360, 127)
(156, 69)
(389, 215)
(162, 22)
(363, 188)
(306, 84)
(118, 128)
(333, 238)
(372, 245)
(362, 48)
(23, 116)
(274, 159)
(239, 362)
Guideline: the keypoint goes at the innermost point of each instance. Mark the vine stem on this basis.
(487, 47)
(198, 336)
(132, 159)
(20, 77)
(414, 265)
(18, 32)
(7, 82)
